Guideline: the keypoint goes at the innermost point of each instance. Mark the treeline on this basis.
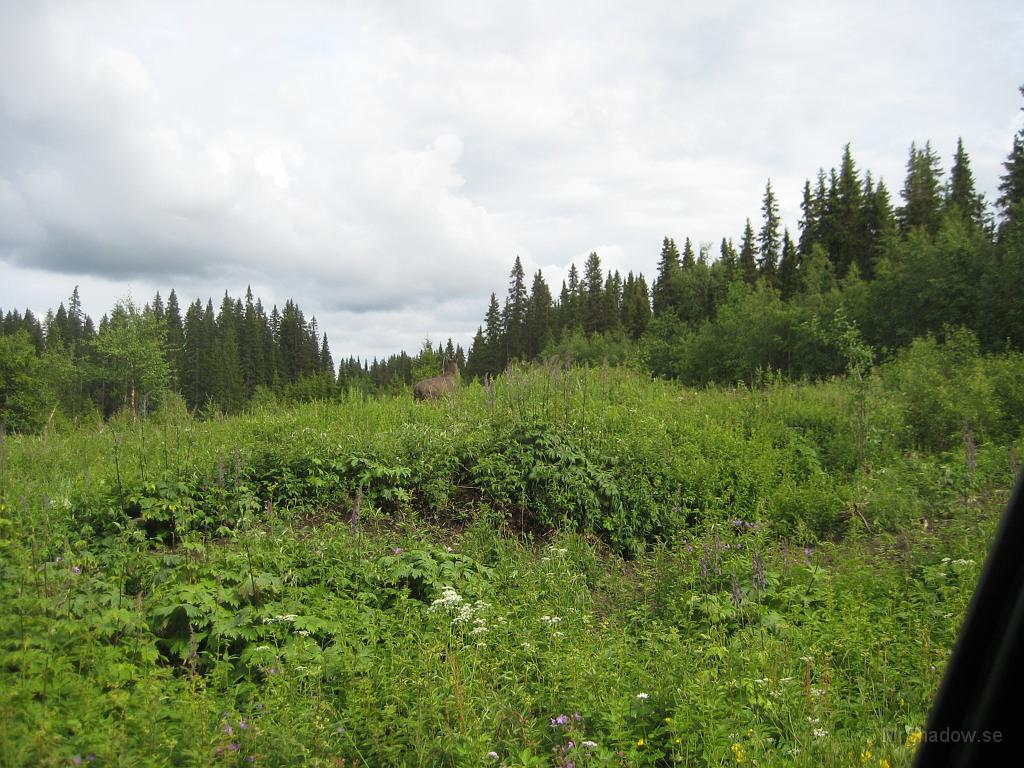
(218, 360)
(862, 277)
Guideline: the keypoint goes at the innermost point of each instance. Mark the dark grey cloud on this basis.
(384, 163)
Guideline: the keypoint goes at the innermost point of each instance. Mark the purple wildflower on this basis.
(75, 570)
(737, 594)
(233, 747)
(90, 757)
(76, 760)
(244, 724)
(228, 729)
(560, 720)
(757, 565)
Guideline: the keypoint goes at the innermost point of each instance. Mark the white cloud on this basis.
(384, 164)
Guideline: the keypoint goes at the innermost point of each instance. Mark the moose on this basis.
(432, 389)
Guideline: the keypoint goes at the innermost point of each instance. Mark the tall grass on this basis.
(575, 566)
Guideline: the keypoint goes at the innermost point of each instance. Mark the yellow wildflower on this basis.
(737, 752)
(914, 738)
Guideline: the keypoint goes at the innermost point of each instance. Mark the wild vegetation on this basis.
(565, 567)
(735, 519)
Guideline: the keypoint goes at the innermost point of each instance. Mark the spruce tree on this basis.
(514, 314)
(847, 238)
(667, 285)
(789, 267)
(808, 221)
(879, 226)
(190, 375)
(494, 360)
(961, 198)
(728, 258)
(768, 238)
(922, 191)
(538, 323)
(476, 362)
(327, 361)
(228, 387)
(569, 318)
(636, 306)
(688, 260)
(593, 295)
(748, 259)
(175, 339)
(1011, 184)
(612, 303)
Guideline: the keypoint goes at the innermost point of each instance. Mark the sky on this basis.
(384, 163)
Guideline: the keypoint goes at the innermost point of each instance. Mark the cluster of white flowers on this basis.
(643, 696)
(463, 612)
(816, 692)
(820, 733)
(279, 619)
(480, 627)
(551, 620)
(448, 600)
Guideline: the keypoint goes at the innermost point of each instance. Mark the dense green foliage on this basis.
(563, 566)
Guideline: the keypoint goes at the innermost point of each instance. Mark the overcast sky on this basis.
(384, 163)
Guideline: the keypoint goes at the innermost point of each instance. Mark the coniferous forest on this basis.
(864, 272)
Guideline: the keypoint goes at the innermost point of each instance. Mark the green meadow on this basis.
(567, 567)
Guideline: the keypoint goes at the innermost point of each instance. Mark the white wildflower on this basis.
(448, 600)
(820, 733)
(589, 744)
(643, 696)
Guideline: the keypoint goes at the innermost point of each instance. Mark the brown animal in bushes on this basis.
(431, 389)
